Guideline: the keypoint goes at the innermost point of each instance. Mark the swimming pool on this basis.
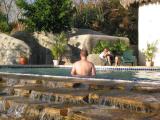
(111, 73)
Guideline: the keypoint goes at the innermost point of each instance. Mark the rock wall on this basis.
(11, 49)
(40, 44)
(94, 58)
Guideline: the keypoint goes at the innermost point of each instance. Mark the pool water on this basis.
(105, 74)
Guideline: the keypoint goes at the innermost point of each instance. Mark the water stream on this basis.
(39, 102)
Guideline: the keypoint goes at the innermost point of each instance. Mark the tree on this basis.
(7, 4)
(4, 26)
(47, 15)
(89, 14)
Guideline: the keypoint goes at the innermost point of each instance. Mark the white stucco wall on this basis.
(149, 30)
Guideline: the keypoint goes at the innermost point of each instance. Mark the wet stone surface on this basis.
(27, 99)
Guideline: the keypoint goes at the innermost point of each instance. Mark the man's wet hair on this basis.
(106, 49)
(84, 52)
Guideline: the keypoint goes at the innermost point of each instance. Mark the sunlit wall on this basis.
(149, 30)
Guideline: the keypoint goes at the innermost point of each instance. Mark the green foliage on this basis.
(59, 46)
(47, 15)
(4, 26)
(88, 16)
(100, 46)
(150, 50)
(117, 47)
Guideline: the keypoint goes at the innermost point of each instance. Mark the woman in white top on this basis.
(106, 55)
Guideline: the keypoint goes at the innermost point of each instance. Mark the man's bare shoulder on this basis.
(91, 63)
(80, 62)
(77, 62)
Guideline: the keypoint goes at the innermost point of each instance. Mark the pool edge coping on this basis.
(79, 79)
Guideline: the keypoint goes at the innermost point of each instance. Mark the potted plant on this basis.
(149, 53)
(58, 48)
(22, 59)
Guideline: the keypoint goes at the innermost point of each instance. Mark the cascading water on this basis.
(2, 106)
(17, 110)
(41, 97)
(46, 116)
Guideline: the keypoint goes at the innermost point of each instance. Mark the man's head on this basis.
(83, 53)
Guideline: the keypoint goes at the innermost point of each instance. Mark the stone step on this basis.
(105, 113)
(3, 86)
(73, 95)
(21, 107)
(80, 113)
(122, 99)
(127, 100)
(45, 83)
(146, 88)
(70, 110)
(138, 88)
(53, 84)
(2, 80)
(57, 82)
(8, 100)
(39, 88)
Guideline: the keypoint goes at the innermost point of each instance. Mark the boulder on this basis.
(11, 49)
(88, 40)
(78, 31)
(94, 58)
(44, 39)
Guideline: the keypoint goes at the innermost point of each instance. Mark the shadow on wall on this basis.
(141, 58)
(39, 54)
(75, 54)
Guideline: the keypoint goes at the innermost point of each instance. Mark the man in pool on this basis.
(83, 67)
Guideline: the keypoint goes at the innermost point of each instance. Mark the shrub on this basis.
(59, 46)
(88, 15)
(100, 46)
(117, 47)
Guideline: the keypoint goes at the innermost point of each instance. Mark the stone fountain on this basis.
(38, 99)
